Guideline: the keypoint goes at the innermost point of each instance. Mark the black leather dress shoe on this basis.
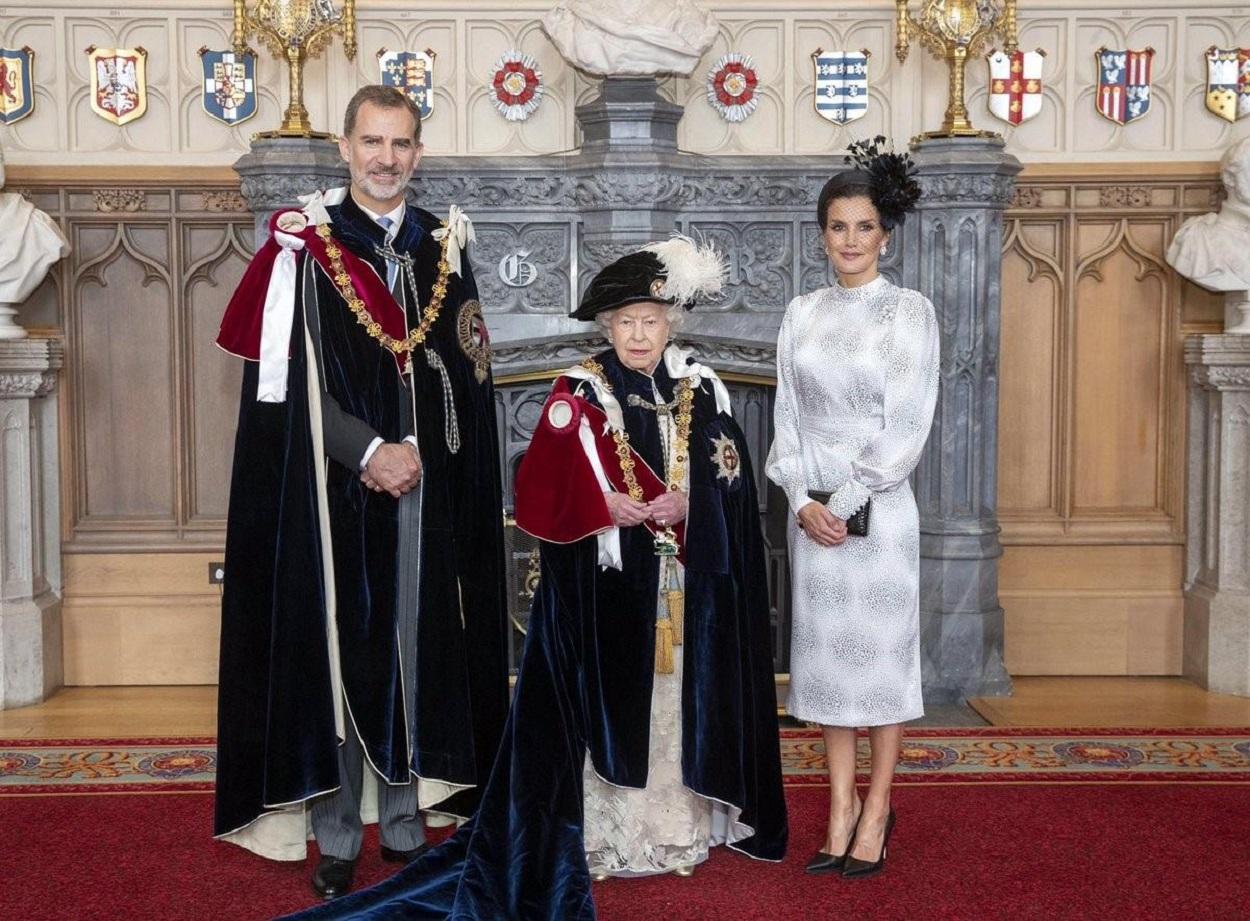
(824, 863)
(333, 877)
(390, 855)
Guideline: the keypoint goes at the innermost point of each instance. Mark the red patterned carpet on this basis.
(1094, 831)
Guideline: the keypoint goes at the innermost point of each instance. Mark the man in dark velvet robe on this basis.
(363, 617)
(585, 688)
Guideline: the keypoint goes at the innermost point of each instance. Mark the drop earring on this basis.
(884, 250)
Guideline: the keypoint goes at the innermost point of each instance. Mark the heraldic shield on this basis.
(412, 72)
(119, 89)
(1123, 84)
(1016, 85)
(841, 85)
(1228, 82)
(229, 85)
(17, 89)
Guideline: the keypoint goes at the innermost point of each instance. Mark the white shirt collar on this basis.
(396, 215)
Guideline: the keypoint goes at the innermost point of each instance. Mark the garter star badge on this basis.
(1016, 85)
(119, 83)
(412, 72)
(728, 461)
(731, 85)
(1228, 82)
(474, 338)
(17, 90)
(518, 86)
(229, 85)
(1123, 92)
(841, 84)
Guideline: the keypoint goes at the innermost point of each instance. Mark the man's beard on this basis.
(381, 186)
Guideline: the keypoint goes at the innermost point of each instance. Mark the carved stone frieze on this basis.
(224, 201)
(547, 190)
(1124, 196)
(548, 354)
(1026, 197)
(1221, 378)
(966, 188)
(760, 259)
(27, 384)
(123, 200)
(523, 269)
(814, 268)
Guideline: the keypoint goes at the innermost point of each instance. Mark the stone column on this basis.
(952, 253)
(1217, 571)
(627, 170)
(277, 171)
(30, 533)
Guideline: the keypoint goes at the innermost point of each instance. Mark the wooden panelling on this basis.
(1120, 384)
(1092, 610)
(148, 402)
(1092, 417)
(121, 342)
(140, 618)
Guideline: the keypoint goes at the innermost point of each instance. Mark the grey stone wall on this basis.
(545, 225)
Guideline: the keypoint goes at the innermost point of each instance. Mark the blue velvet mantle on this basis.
(276, 733)
(585, 686)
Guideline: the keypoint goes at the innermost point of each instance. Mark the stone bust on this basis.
(1213, 250)
(637, 38)
(32, 243)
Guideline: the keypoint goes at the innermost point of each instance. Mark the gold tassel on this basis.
(675, 598)
(664, 647)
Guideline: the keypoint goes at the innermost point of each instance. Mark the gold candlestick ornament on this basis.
(952, 30)
(296, 30)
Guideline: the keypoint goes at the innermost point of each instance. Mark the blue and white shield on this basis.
(412, 72)
(229, 85)
(17, 90)
(841, 85)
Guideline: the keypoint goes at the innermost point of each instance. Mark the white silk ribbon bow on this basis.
(315, 203)
(460, 233)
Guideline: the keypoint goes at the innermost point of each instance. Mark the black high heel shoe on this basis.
(823, 862)
(854, 868)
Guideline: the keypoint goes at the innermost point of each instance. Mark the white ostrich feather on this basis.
(692, 270)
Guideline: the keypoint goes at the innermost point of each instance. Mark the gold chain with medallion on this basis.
(685, 402)
(670, 629)
(343, 281)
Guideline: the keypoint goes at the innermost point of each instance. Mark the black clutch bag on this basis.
(857, 524)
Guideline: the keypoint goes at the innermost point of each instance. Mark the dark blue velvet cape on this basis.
(276, 733)
(585, 684)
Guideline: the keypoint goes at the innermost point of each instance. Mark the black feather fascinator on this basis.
(891, 177)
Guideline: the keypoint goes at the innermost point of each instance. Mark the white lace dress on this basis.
(857, 382)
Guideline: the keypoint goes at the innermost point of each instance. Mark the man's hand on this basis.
(668, 509)
(393, 468)
(625, 512)
(821, 525)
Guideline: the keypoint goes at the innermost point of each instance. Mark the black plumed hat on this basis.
(676, 271)
(890, 178)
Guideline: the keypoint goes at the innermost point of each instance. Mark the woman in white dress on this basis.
(857, 381)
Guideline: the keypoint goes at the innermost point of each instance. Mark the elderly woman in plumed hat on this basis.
(643, 730)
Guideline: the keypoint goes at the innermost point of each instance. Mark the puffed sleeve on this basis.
(785, 457)
(911, 390)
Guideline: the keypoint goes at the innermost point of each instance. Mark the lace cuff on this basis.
(848, 498)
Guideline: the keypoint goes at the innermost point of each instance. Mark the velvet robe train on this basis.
(277, 737)
(585, 685)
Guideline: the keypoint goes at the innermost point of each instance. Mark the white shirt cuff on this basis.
(373, 446)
